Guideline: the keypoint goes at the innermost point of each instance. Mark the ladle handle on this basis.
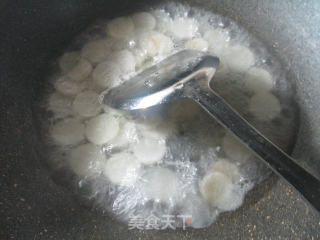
(274, 157)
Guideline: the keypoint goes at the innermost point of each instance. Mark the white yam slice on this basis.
(216, 188)
(218, 41)
(68, 61)
(227, 168)
(67, 87)
(101, 129)
(144, 21)
(80, 71)
(264, 106)
(140, 56)
(122, 169)
(258, 80)
(87, 104)
(163, 20)
(121, 27)
(239, 58)
(60, 105)
(125, 60)
(155, 43)
(95, 51)
(151, 148)
(68, 132)
(86, 160)
(127, 134)
(197, 44)
(107, 75)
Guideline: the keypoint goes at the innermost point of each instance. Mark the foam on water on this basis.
(176, 159)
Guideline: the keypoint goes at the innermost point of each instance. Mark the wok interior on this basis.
(35, 33)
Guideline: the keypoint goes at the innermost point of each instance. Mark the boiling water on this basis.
(171, 159)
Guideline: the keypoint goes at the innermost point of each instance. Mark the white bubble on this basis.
(121, 27)
(122, 168)
(161, 185)
(264, 106)
(183, 28)
(101, 129)
(86, 160)
(68, 132)
(87, 104)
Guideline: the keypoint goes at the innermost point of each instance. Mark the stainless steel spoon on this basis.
(187, 74)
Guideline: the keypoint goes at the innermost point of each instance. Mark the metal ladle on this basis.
(187, 74)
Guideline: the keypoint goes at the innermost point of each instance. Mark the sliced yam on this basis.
(87, 104)
(155, 43)
(264, 106)
(107, 75)
(127, 134)
(125, 60)
(197, 44)
(68, 61)
(67, 87)
(239, 58)
(96, 51)
(102, 128)
(140, 56)
(150, 148)
(121, 27)
(216, 188)
(218, 41)
(144, 21)
(86, 160)
(122, 169)
(258, 80)
(68, 132)
(227, 168)
(60, 105)
(80, 71)
(163, 20)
